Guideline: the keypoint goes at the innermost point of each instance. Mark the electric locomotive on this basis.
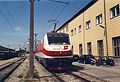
(54, 51)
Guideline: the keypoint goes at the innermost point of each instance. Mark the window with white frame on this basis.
(99, 19)
(75, 31)
(88, 24)
(115, 11)
(71, 32)
(79, 29)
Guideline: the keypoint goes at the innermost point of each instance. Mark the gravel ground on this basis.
(17, 75)
(21, 74)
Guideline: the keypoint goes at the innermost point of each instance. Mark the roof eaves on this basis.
(78, 13)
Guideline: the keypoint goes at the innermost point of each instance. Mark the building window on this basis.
(79, 29)
(100, 47)
(99, 19)
(80, 49)
(116, 46)
(71, 32)
(89, 48)
(66, 29)
(63, 30)
(115, 11)
(88, 24)
(72, 48)
(75, 31)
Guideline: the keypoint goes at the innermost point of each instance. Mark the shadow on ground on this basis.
(73, 68)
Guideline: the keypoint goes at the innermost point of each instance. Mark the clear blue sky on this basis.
(14, 18)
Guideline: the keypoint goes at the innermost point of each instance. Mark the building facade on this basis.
(95, 29)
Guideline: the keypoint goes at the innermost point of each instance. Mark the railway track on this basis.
(68, 77)
(60, 76)
(6, 70)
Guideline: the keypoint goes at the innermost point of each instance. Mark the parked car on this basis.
(75, 58)
(105, 61)
(86, 59)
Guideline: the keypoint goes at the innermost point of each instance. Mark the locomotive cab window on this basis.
(58, 39)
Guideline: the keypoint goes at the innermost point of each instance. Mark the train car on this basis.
(54, 51)
(7, 53)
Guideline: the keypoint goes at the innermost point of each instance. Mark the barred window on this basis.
(116, 46)
(89, 48)
(100, 48)
(80, 49)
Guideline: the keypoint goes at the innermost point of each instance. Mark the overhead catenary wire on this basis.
(7, 20)
(9, 14)
(66, 4)
(59, 1)
(61, 11)
(51, 16)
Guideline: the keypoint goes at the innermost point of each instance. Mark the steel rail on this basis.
(6, 71)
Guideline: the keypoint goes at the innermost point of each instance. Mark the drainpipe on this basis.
(83, 33)
(105, 27)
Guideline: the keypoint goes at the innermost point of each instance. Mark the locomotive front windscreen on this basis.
(58, 39)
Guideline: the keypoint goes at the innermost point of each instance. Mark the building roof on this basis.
(78, 13)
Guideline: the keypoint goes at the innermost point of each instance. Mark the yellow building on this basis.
(95, 29)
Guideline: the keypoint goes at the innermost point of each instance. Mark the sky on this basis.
(15, 19)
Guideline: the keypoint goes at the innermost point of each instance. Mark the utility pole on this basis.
(31, 62)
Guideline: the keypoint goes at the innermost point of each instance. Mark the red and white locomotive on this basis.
(54, 51)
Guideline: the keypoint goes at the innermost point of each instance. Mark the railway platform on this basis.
(107, 73)
(2, 62)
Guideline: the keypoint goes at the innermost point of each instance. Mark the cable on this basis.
(61, 11)
(59, 1)
(9, 14)
(49, 19)
(7, 20)
(66, 4)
